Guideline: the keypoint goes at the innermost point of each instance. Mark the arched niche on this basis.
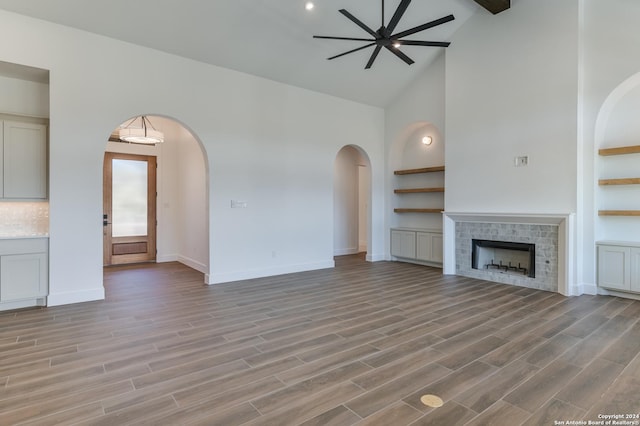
(409, 152)
(617, 125)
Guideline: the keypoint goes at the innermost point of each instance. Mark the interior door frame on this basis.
(109, 257)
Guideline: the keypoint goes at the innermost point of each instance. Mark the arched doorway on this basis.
(351, 201)
(182, 204)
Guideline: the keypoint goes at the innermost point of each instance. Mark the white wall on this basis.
(268, 144)
(192, 204)
(512, 90)
(22, 97)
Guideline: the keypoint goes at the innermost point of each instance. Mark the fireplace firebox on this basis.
(504, 256)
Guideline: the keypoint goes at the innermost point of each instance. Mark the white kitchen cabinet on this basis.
(24, 272)
(417, 245)
(619, 266)
(23, 161)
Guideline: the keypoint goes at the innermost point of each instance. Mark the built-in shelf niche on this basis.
(421, 190)
(622, 150)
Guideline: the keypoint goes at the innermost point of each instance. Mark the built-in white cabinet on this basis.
(619, 266)
(24, 272)
(417, 245)
(23, 161)
(429, 246)
(403, 243)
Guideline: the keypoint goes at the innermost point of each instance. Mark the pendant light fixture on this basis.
(140, 130)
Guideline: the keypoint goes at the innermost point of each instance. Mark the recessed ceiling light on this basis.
(309, 5)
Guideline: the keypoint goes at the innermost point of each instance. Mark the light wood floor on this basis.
(358, 344)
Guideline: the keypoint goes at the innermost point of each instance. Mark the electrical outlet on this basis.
(521, 161)
(235, 204)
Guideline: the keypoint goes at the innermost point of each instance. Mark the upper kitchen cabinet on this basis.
(23, 161)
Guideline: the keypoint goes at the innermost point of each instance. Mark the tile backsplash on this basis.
(24, 219)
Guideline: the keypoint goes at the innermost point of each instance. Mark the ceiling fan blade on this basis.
(400, 55)
(351, 51)
(424, 27)
(343, 38)
(373, 57)
(358, 23)
(422, 43)
(402, 7)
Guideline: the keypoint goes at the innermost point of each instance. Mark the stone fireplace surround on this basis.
(552, 233)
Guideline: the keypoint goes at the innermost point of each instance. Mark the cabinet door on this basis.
(429, 247)
(23, 276)
(25, 160)
(613, 267)
(403, 244)
(635, 270)
(436, 248)
(423, 246)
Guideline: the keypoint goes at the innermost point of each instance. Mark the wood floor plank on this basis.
(555, 411)
(626, 348)
(533, 393)
(471, 353)
(286, 396)
(550, 350)
(500, 413)
(303, 409)
(356, 344)
(397, 414)
(382, 396)
(622, 396)
(338, 416)
(490, 390)
(451, 413)
(584, 390)
(205, 389)
(451, 385)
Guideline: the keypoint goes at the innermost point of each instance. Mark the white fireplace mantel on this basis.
(566, 240)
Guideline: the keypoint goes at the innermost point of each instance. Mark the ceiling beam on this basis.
(495, 6)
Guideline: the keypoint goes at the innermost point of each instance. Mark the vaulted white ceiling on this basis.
(268, 38)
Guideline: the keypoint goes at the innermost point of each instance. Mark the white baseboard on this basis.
(375, 257)
(66, 298)
(585, 288)
(625, 295)
(266, 272)
(167, 258)
(198, 266)
(30, 303)
(345, 251)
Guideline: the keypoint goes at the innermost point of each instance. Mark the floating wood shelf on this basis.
(417, 190)
(623, 181)
(418, 210)
(416, 171)
(620, 150)
(619, 213)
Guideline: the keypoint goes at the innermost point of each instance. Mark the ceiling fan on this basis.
(384, 37)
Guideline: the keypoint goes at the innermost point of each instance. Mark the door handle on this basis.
(105, 220)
